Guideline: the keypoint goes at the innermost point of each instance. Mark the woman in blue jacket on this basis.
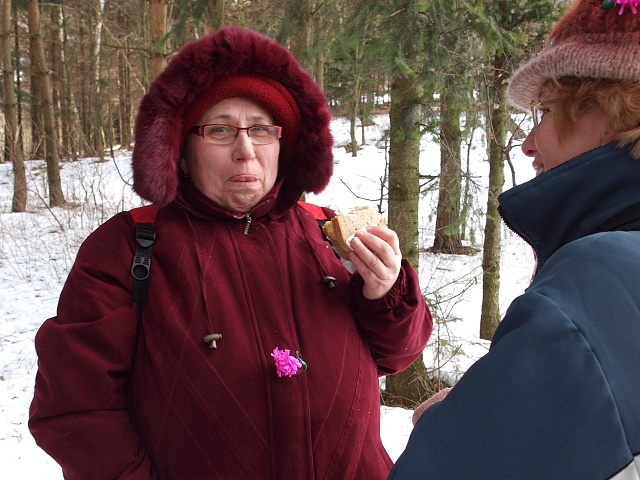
(558, 394)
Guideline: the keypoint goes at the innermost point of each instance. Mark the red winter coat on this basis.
(119, 397)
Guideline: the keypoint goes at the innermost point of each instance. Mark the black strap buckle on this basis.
(141, 265)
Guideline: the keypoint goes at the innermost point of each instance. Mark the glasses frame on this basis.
(199, 130)
(535, 109)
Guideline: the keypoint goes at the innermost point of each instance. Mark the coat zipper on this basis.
(535, 251)
(249, 220)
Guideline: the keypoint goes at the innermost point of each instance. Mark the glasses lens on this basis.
(536, 114)
(263, 134)
(225, 134)
(221, 134)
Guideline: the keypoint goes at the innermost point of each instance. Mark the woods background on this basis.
(73, 75)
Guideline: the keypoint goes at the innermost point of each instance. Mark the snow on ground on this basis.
(37, 250)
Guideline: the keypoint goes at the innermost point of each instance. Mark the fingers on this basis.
(377, 247)
(376, 256)
(385, 234)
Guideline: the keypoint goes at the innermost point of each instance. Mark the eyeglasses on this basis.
(221, 134)
(538, 110)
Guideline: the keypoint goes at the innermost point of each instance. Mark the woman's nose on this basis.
(243, 148)
(529, 144)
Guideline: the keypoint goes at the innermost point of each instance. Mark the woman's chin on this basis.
(243, 202)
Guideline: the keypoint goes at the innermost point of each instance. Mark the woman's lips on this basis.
(244, 177)
(537, 167)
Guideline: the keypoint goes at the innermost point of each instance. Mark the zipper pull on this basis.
(246, 227)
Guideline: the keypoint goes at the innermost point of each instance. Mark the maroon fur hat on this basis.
(232, 62)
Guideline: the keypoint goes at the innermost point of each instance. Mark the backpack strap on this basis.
(145, 234)
(319, 214)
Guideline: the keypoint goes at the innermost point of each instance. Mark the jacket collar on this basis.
(197, 204)
(573, 200)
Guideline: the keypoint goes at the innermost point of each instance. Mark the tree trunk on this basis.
(58, 88)
(56, 197)
(447, 235)
(71, 114)
(355, 99)
(318, 60)
(496, 132)
(85, 111)
(17, 59)
(98, 128)
(408, 387)
(13, 146)
(355, 106)
(217, 14)
(158, 30)
(302, 32)
(36, 148)
(124, 93)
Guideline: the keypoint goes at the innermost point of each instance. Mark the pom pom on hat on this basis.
(589, 41)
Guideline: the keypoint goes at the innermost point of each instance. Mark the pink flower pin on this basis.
(286, 365)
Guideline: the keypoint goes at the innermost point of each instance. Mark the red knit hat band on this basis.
(269, 93)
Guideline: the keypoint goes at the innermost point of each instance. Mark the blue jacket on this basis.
(558, 394)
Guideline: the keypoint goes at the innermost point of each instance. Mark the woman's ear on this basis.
(183, 167)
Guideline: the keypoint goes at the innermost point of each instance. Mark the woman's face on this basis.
(238, 175)
(549, 148)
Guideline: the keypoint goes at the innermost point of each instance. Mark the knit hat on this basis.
(232, 62)
(592, 40)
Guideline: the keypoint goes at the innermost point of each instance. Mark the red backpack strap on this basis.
(146, 214)
(318, 213)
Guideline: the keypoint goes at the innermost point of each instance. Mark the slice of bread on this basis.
(341, 227)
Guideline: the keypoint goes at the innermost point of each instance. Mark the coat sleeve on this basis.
(79, 412)
(397, 326)
(519, 412)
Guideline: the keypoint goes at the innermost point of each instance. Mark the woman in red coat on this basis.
(227, 139)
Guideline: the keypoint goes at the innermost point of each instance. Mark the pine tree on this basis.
(12, 130)
(506, 25)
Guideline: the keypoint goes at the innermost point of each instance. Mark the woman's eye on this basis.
(259, 130)
(219, 129)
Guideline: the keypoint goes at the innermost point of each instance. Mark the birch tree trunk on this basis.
(41, 76)
(98, 136)
(13, 146)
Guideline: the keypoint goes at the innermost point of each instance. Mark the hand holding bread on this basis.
(363, 238)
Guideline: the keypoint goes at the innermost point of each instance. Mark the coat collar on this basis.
(573, 200)
(197, 204)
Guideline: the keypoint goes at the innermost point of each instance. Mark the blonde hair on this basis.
(618, 100)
